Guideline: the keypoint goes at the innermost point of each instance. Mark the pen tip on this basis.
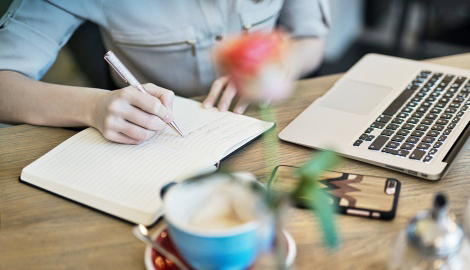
(176, 129)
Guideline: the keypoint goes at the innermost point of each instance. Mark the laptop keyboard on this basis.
(417, 123)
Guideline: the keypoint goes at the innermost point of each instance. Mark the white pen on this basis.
(127, 76)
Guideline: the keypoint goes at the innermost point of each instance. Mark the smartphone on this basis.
(353, 194)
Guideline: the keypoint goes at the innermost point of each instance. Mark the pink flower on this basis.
(255, 64)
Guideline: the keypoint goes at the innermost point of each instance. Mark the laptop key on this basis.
(407, 146)
(432, 151)
(393, 126)
(407, 110)
(378, 143)
(393, 145)
(398, 138)
(451, 110)
(408, 126)
(447, 131)
(398, 102)
(387, 132)
(422, 109)
(378, 125)
(451, 125)
(426, 104)
(417, 133)
(427, 158)
(384, 119)
(426, 122)
(423, 146)
(431, 116)
(398, 120)
(442, 138)
(422, 127)
(358, 142)
(442, 121)
(433, 133)
(403, 153)
(428, 139)
(413, 120)
(436, 110)
(446, 116)
(370, 138)
(444, 100)
(458, 99)
(363, 136)
(402, 115)
(403, 132)
(369, 130)
(437, 144)
(437, 127)
(417, 154)
(412, 139)
(390, 151)
(417, 115)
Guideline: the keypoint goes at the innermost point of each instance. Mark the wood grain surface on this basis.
(41, 231)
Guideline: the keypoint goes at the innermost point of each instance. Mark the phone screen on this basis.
(354, 194)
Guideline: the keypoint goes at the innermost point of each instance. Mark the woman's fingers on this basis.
(241, 105)
(227, 97)
(121, 138)
(146, 102)
(133, 131)
(166, 96)
(142, 118)
(217, 87)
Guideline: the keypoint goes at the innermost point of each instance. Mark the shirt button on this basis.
(219, 38)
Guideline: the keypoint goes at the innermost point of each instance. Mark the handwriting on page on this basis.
(208, 131)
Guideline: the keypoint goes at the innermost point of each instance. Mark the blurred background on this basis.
(416, 29)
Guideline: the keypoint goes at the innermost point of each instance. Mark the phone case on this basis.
(354, 194)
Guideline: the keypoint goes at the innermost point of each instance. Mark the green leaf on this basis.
(309, 192)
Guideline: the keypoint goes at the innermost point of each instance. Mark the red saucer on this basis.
(155, 261)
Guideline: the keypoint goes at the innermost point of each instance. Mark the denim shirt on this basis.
(169, 43)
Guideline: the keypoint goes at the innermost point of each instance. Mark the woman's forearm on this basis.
(23, 100)
(306, 55)
(125, 115)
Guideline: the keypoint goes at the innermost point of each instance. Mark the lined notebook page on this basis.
(209, 132)
(129, 175)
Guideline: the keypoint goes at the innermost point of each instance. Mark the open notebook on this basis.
(125, 180)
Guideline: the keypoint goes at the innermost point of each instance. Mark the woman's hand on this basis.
(225, 89)
(129, 116)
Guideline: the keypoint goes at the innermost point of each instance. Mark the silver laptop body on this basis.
(404, 115)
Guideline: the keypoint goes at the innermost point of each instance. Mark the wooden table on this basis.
(41, 231)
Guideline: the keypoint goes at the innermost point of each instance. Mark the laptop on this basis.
(400, 114)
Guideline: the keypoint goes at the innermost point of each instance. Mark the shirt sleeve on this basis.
(304, 18)
(31, 34)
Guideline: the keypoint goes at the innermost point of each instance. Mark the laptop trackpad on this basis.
(355, 97)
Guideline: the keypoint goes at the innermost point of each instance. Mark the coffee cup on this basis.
(219, 221)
